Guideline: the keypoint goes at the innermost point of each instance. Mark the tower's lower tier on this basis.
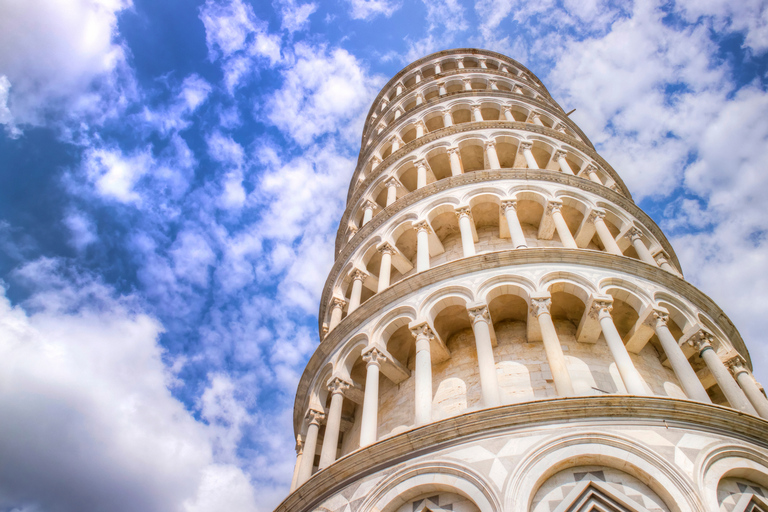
(604, 453)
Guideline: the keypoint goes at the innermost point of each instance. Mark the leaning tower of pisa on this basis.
(503, 329)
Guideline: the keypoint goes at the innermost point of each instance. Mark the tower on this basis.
(503, 329)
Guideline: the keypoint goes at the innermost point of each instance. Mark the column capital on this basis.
(452, 150)
(554, 206)
(315, 417)
(479, 314)
(384, 103)
(601, 308)
(400, 109)
(338, 386)
(489, 143)
(358, 275)
(466, 80)
(420, 95)
(701, 341)
(491, 82)
(376, 159)
(423, 331)
(526, 145)
(369, 204)
(446, 112)
(506, 108)
(634, 234)
(736, 364)
(417, 73)
(660, 317)
(533, 116)
(373, 356)
(299, 444)
(508, 204)
(422, 225)
(395, 138)
(517, 89)
(463, 211)
(338, 302)
(392, 182)
(596, 214)
(420, 122)
(441, 83)
(386, 248)
(540, 305)
(559, 154)
(421, 163)
(591, 168)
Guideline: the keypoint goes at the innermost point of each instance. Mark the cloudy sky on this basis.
(171, 178)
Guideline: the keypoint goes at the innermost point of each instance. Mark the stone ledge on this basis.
(592, 411)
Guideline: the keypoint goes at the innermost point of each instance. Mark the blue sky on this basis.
(172, 175)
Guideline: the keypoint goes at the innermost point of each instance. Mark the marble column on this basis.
(540, 307)
(391, 185)
(483, 65)
(395, 144)
(418, 76)
(385, 270)
(702, 343)
(421, 174)
(437, 69)
(398, 89)
(453, 155)
(562, 162)
(635, 236)
(422, 246)
(460, 63)
(477, 114)
(748, 385)
(297, 467)
(419, 98)
(370, 421)
(536, 119)
(310, 446)
(489, 382)
(530, 161)
(508, 114)
(375, 162)
(358, 276)
(561, 226)
(337, 308)
(467, 84)
(493, 85)
(663, 263)
(683, 371)
(441, 89)
(591, 172)
(447, 118)
(598, 217)
(515, 229)
(465, 227)
(423, 374)
(368, 208)
(629, 375)
(336, 387)
(493, 158)
(420, 129)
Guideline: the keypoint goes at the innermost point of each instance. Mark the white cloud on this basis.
(62, 58)
(115, 175)
(193, 92)
(82, 229)
(445, 20)
(89, 422)
(192, 257)
(295, 15)
(747, 16)
(369, 9)
(323, 92)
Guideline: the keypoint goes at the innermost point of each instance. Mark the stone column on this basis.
(297, 467)
(536, 119)
(421, 174)
(395, 144)
(515, 229)
(437, 69)
(467, 84)
(352, 233)
(441, 89)
(529, 160)
(381, 127)
(420, 128)
(477, 115)
(310, 446)
(391, 185)
(336, 387)
(423, 376)
(493, 85)
(376, 161)
(370, 421)
(663, 263)
(488, 380)
(337, 308)
(748, 385)
(465, 227)
(564, 167)
(604, 233)
(493, 158)
(418, 76)
(702, 343)
(398, 113)
(419, 98)
(384, 104)
(453, 155)
(591, 172)
(483, 65)
(368, 207)
(460, 63)
(636, 237)
(447, 118)
(508, 114)
(358, 276)
(627, 370)
(683, 370)
(422, 246)
(540, 307)
(399, 89)
(561, 227)
(385, 271)
(517, 89)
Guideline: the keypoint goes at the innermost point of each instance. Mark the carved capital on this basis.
(386, 248)
(373, 356)
(506, 108)
(526, 145)
(517, 89)
(465, 211)
(596, 214)
(315, 417)
(540, 306)
(736, 364)
(376, 159)
(423, 332)
(660, 317)
(338, 302)
(701, 341)
(446, 113)
(559, 154)
(466, 81)
(369, 205)
(479, 314)
(534, 116)
(490, 144)
(421, 163)
(634, 234)
(453, 151)
(509, 204)
(591, 168)
(358, 275)
(553, 206)
(422, 226)
(392, 182)
(561, 128)
(299, 444)
(418, 73)
(600, 309)
(338, 386)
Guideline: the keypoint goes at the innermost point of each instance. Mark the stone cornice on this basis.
(593, 413)
(367, 149)
(493, 260)
(356, 190)
(343, 248)
(372, 122)
(447, 53)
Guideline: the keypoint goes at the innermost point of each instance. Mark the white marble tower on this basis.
(505, 330)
